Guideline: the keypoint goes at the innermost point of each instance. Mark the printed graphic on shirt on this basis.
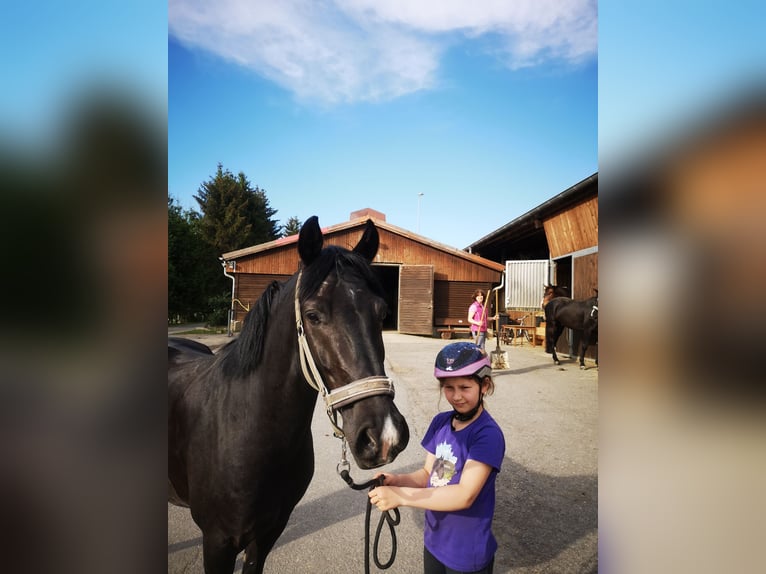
(444, 466)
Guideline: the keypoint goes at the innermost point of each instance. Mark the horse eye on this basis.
(313, 317)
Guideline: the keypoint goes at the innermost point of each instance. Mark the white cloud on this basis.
(369, 50)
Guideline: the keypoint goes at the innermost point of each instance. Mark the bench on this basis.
(449, 326)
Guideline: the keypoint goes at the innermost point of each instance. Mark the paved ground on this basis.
(547, 493)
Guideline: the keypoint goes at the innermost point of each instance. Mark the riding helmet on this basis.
(462, 359)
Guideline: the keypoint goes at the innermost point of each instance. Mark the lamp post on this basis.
(419, 196)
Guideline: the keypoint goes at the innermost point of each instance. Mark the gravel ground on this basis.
(547, 492)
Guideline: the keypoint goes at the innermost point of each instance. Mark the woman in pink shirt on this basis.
(477, 317)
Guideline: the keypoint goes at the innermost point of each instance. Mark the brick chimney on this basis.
(367, 213)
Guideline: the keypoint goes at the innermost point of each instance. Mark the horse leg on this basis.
(254, 560)
(588, 338)
(595, 342)
(550, 329)
(257, 551)
(218, 554)
(558, 329)
(583, 348)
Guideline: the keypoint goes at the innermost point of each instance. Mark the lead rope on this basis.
(385, 517)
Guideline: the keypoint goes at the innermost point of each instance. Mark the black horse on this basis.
(561, 312)
(240, 451)
(551, 291)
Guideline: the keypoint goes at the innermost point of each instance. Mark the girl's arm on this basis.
(417, 479)
(444, 498)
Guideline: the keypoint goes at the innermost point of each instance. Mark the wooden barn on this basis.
(556, 242)
(428, 285)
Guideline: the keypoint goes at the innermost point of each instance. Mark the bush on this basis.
(218, 310)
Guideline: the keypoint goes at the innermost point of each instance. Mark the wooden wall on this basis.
(248, 290)
(452, 298)
(394, 248)
(279, 261)
(574, 229)
(585, 271)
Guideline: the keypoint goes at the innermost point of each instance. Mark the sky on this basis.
(54, 53)
(451, 118)
(665, 67)
(338, 105)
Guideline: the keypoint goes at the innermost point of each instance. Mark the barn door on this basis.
(416, 299)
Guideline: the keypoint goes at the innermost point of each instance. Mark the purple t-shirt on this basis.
(463, 540)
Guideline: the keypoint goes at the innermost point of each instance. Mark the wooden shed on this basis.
(425, 281)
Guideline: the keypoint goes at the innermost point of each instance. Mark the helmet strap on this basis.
(463, 417)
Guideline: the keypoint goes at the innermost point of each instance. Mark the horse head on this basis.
(341, 307)
(551, 291)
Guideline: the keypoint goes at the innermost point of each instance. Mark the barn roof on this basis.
(359, 222)
(528, 228)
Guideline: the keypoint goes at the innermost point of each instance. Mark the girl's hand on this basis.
(388, 479)
(383, 498)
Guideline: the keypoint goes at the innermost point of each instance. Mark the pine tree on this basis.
(292, 227)
(234, 215)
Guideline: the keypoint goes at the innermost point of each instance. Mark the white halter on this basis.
(345, 395)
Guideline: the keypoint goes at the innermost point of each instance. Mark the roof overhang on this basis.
(333, 229)
(532, 221)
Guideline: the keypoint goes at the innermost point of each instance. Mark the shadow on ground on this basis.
(537, 516)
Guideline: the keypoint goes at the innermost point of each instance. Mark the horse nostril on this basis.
(366, 443)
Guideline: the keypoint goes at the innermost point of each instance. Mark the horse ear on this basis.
(369, 243)
(310, 240)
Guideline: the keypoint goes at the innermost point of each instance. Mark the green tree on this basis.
(264, 227)
(195, 279)
(234, 215)
(292, 227)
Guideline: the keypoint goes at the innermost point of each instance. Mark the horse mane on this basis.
(240, 357)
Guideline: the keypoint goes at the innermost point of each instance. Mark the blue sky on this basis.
(483, 117)
(55, 52)
(663, 66)
(331, 107)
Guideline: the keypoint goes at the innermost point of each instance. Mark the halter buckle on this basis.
(343, 464)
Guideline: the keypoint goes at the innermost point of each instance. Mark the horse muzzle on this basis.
(378, 438)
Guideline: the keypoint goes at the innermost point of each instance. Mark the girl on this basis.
(456, 486)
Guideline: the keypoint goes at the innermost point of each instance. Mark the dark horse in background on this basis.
(582, 316)
(551, 291)
(240, 450)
